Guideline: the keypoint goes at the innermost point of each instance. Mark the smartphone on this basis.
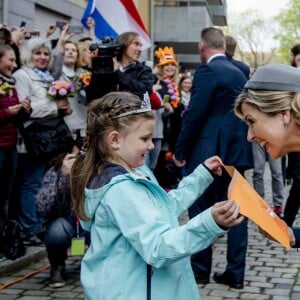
(60, 24)
(75, 29)
(23, 23)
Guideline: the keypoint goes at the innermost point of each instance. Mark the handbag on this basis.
(47, 137)
(11, 242)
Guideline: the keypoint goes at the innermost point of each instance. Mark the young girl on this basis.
(10, 111)
(132, 220)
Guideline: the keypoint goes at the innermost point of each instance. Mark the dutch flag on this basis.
(113, 17)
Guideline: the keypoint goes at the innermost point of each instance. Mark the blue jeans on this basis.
(260, 156)
(237, 237)
(58, 238)
(8, 165)
(32, 174)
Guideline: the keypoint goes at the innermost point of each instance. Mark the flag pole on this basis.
(152, 31)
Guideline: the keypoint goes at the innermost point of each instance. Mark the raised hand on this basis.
(68, 162)
(64, 106)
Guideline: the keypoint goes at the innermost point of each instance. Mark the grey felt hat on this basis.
(275, 77)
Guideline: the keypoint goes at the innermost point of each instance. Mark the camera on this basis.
(102, 62)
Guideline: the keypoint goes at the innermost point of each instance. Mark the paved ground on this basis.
(271, 273)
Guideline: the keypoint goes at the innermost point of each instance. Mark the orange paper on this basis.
(255, 208)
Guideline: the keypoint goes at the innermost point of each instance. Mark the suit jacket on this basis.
(241, 65)
(210, 126)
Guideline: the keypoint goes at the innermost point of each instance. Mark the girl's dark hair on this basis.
(102, 118)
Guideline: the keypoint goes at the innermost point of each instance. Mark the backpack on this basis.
(11, 242)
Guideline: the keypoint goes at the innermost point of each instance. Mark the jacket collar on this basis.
(214, 56)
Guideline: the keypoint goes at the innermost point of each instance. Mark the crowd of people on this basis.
(34, 187)
(142, 146)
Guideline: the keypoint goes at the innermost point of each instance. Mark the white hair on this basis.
(32, 46)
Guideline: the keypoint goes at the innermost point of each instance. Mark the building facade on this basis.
(39, 14)
(175, 23)
(179, 23)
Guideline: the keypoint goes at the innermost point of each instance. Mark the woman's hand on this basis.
(64, 106)
(64, 36)
(156, 87)
(290, 232)
(14, 109)
(214, 164)
(91, 24)
(168, 107)
(26, 105)
(50, 30)
(227, 213)
(68, 162)
(18, 35)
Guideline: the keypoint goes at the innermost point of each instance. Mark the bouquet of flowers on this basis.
(60, 89)
(83, 80)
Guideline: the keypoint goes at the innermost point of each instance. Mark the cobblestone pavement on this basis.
(271, 273)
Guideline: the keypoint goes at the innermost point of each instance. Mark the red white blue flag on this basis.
(113, 17)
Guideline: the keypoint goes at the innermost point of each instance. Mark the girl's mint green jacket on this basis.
(134, 222)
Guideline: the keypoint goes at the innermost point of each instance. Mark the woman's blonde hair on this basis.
(101, 119)
(269, 102)
(160, 73)
(82, 46)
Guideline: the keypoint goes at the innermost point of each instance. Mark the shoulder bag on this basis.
(47, 137)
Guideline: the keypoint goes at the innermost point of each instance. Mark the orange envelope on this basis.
(255, 208)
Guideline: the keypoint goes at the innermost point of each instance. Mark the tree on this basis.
(253, 34)
(289, 33)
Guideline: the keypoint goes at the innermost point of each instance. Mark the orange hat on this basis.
(166, 56)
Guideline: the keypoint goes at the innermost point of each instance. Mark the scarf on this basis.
(172, 91)
(45, 75)
(9, 80)
(69, 72)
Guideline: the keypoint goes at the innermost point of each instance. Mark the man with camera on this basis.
(116, 67)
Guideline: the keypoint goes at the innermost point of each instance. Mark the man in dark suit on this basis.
(211, 128)
(231, 44)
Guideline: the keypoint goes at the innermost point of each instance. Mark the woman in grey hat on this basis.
(270, 106)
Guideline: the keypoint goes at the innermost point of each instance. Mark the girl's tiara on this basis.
(145, 106)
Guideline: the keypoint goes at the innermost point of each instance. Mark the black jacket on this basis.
(136, 78)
